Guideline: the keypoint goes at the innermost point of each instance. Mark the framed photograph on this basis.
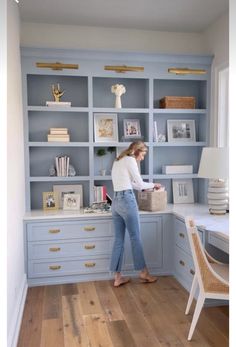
(50, 201)
(132, 128)
(71, 202)
(183, 191)
(105, 127)
(181, 130)
(61, 190)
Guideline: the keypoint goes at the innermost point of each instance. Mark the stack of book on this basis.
(100, 193)
(62, 165)
(58, 135)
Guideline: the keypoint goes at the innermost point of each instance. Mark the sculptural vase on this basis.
(118, 102)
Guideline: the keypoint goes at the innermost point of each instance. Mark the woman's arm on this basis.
(136, 179)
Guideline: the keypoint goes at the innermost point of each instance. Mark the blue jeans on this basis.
(125, 216)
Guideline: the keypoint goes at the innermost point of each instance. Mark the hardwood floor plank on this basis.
(120, 334)
(108, 301)
(74, 330)
(52, 333)
(30, 331)
(69, 289)
(97, 330)
(88, 299)
(52, 302)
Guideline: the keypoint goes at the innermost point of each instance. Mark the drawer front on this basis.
(181, 236)
(184, 266)
(51, 249)
(68, 230)
(68, 267)
(218, 242)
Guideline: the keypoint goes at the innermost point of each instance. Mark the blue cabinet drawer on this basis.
(68, 230)
(57, 267)
(184, 266)
(52, 249)
(181, 236)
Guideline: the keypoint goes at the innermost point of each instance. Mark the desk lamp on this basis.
(214, 164)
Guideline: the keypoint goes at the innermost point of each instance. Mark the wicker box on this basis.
(178, 102)
(152, 200)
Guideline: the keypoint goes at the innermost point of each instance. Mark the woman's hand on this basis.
(157, 186)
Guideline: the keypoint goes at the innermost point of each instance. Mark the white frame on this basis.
(183, 191)
(61, 190)
(98, 127)
(135, 123)
(171, 123)
(69, 199)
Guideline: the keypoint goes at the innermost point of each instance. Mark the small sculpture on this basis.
(57, 92)
(71, 171)
(118, 90)
(52, 171)
(161, 138)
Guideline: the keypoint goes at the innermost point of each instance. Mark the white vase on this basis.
(118, 101)
(103, 172)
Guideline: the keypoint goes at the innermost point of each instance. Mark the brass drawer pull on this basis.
(55, 267)
(54, 249)
(89, 228)
(89, 264)
(54, 231)
(192, 272)
(89, 246)
(182, 235)
(182, 262)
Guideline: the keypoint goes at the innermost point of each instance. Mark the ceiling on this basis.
(163, 15)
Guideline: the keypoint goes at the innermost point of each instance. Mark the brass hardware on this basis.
(57, 66)
(192, 272)
(181, 235)
(54, 249)
(182, 262)
(89, 228)
(54, 267)
(89, 246)
(186, 71)
(123, 68)
(89, 264)
(54, 231)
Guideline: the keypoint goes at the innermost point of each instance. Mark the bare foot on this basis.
(120, 281)
(145, 277)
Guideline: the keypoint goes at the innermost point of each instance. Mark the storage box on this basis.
(177, 169)
(178, 102)
(152, 200)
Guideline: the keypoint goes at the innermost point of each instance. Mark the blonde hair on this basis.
(133, 150)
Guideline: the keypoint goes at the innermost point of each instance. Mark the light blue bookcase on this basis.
(89, 91)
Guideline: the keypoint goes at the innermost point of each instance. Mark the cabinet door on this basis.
(152, 240)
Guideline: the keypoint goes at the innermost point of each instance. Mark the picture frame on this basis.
(61, 190)
(71, 202)
(183, 191)
(50, 201)
(132, 128)
(105, 127)
(181, 130)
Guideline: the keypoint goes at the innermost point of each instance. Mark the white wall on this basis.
(82, 37)
(16, 279)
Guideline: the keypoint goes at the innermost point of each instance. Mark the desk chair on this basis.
(211, 276)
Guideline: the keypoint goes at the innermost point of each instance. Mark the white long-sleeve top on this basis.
(125, 175)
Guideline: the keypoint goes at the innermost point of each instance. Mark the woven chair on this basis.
(211, 276)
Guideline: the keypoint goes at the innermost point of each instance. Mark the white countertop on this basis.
(203, 219)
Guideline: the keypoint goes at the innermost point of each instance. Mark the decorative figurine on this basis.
(57, 92)
(118, 90)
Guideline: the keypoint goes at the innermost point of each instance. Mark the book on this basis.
(177, 169)
(58, 138)
(58, 103)
(58, 131)
(155, 133)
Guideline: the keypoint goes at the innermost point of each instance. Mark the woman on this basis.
(125, 178)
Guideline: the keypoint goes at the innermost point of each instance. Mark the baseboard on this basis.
(16, 318)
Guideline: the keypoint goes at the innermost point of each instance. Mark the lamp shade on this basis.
(214, 163)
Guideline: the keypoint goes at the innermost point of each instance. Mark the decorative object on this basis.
(71, 171)
(123, 68)
(118, 90)
(71, 202)
(100, 153)
(178, 102)
(50, 201)
(57, 94)
(57, 66)
(153, 200)
(214, 164)
(132, 128)
(177, 169)
(58, 135)
(52, 171)
(186, 71)
(61, 190)
(105, 127)
(181, 130)
(161, 138)
(183, 191)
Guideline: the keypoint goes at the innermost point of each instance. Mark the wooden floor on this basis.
(95, 314)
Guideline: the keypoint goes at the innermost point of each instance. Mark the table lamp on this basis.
(214, 164)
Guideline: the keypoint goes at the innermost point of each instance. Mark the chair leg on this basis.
(191, 295)
(198, 308)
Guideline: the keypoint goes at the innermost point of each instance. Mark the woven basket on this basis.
(152, 200)
(178, 102)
